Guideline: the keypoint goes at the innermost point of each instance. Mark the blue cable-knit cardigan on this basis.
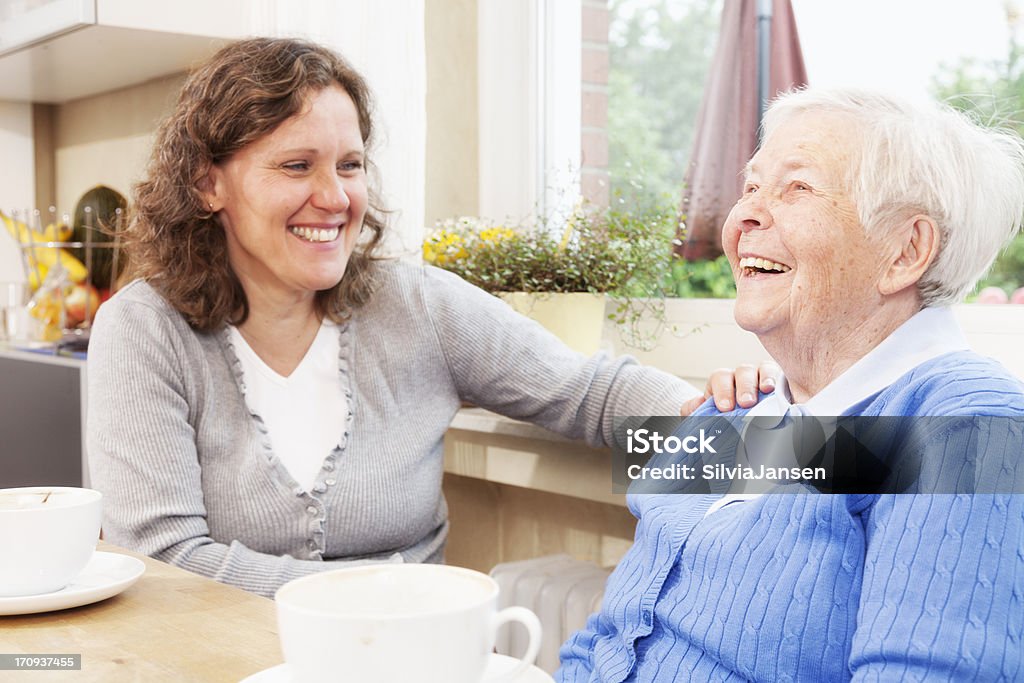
(826, 587)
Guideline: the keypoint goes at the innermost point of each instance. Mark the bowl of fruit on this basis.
(71, 264)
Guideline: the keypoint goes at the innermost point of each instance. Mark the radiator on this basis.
(561, 591)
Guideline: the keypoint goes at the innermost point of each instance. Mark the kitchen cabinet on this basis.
(42, 420)
(52, 51)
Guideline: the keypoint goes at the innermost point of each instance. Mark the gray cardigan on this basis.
(188, 475)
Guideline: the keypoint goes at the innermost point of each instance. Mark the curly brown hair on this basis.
(242, 93)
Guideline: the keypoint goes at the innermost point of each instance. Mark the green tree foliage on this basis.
(994, 93)
(659, 51)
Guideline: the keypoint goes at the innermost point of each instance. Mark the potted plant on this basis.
(564, 275)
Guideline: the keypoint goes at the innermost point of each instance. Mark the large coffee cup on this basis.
(47, 535)
(417, 622)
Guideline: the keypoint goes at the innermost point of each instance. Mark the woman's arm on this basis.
(507, 363)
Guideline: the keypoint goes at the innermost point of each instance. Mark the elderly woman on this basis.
(269, 400)
(862, 219)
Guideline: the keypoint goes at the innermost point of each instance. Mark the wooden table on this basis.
(172, 625)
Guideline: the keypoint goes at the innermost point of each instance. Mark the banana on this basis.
(54, 232)
(39, 258)
(57, 232)
(36, 273)
(18, 230)
(48, 257)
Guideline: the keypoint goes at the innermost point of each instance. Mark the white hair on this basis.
(925, 157)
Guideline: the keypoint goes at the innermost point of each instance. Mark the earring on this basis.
(211, 206)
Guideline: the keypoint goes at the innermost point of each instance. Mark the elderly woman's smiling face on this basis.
(805, 269)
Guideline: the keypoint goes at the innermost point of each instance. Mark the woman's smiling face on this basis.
(805, 270)
(292, 203)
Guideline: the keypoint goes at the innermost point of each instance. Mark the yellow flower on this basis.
(443, 247)
(496, 234)
(429, 253)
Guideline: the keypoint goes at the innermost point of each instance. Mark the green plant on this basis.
(993, 92)
(1008, 270)
(706, 279)
(622, 251)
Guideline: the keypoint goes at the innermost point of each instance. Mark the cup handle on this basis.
(532, 624)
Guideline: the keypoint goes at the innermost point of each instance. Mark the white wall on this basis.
(17, 179)
(106, 139)
(17, 172)
(452, 176)
(508, 105)
(529, 101)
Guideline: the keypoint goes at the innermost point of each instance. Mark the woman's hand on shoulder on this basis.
(729, 387)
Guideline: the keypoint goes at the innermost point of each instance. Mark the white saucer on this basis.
(495, 665)
(106, 575)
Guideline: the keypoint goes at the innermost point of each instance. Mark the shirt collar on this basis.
(931, 333)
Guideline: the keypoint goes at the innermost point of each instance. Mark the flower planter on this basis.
(577, 318)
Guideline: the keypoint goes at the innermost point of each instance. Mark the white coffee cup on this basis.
(47, 535)
(425, 623)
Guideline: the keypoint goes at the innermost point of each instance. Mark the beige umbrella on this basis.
(726, 134)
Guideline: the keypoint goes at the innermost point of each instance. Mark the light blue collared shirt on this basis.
(930, 333)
